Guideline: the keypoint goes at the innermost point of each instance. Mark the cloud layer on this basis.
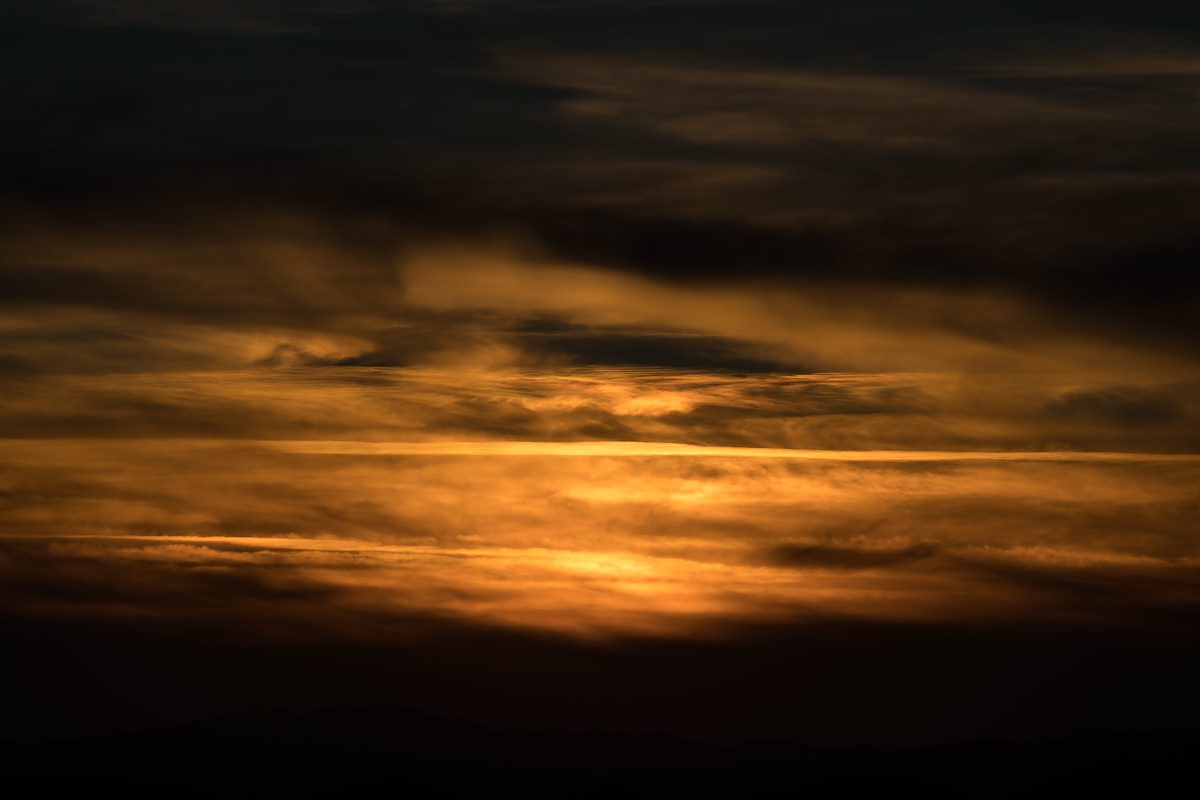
(603, 361)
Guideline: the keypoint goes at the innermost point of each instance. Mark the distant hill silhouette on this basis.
(389, 752)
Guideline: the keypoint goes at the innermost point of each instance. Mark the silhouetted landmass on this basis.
(351, 751)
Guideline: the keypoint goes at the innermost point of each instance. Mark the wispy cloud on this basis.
(591, 538)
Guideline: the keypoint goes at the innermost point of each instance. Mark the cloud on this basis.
(588, 539)
(724, 105)
(734, 367)
(844, 162)
(847, 558)
(1119, 405)
(229, 17)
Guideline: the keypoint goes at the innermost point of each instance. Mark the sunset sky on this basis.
(737, 369)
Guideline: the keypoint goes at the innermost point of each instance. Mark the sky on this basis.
(603, 365)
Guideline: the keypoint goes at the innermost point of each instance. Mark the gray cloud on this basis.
(848, 558)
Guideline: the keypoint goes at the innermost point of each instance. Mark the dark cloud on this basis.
(1119, 405)
(848, 558)
(254, 18)
(763, 159)
(647, 349)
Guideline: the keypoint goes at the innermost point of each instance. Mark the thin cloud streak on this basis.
(513, 448)
(586, 594)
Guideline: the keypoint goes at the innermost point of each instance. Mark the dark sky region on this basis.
(599, 397)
